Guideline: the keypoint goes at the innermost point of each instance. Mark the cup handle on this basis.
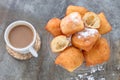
(33, 52)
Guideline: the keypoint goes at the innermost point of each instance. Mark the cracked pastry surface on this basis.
(91, 20)
(59, 43)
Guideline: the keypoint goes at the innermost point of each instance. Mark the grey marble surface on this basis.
(38, 12)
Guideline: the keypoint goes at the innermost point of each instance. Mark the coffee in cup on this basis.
(21, 36)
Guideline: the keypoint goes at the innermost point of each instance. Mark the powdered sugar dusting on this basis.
(75, 17)
(87, 32)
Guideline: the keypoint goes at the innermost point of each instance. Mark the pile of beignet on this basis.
(77, 38)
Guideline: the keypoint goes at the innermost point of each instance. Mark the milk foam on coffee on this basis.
(20, 36)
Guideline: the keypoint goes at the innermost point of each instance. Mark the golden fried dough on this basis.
(98, 54)
(79, 9)
(59, 43)
(71, 24)
(104, 26)
(85, 39)
(91, 20)
(53, 26)
(70, 59)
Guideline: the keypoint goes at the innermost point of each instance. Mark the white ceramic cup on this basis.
(24, 50)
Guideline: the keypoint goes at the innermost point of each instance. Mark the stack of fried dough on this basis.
(77, 38)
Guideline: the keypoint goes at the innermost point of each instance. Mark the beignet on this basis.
(53, 26)
(59, 43)
(70, 59)
(98, 54)
(105, 27)
(71, 24)
(91, 20)
(81, 10)
(85, 39)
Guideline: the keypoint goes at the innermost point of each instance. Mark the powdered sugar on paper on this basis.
(91, 74)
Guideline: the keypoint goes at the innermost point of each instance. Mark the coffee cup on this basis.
(20, 36)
